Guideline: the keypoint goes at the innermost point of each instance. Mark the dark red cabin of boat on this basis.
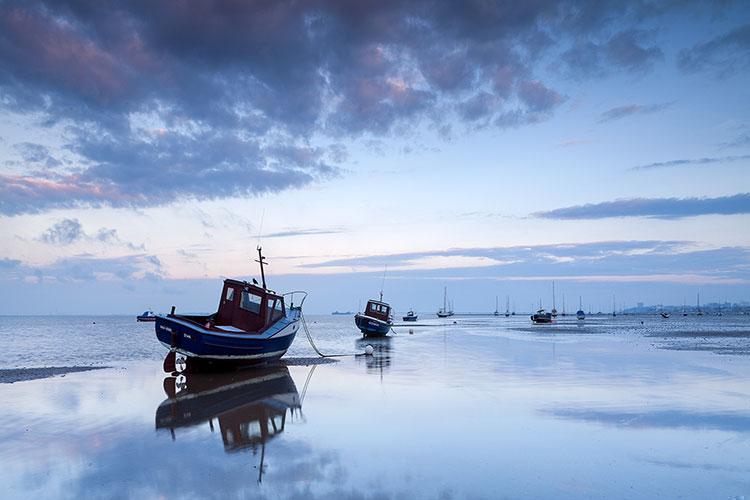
(378, 310)
(248, 307)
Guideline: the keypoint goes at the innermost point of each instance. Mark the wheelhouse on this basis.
(378, 310)
(248, 307)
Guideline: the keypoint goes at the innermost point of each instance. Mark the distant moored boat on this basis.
(146, 316)
(410, 316)
(445, 311)
(376, 319)
(580, 315)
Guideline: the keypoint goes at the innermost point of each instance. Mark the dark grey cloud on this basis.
(626, 50)
(36, 154)
(619, 112)
(657, 208)
(691, 162)
(724, 54)
(68, 231)
(165, 101)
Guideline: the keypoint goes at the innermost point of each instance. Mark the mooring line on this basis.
(315, 348)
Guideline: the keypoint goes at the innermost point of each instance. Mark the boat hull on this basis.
(410, 318)
(198, 343)
(541, 319)
(371, 326)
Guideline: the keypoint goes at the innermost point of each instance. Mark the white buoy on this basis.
(369, 350)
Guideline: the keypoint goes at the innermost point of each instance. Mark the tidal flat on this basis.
(486, 407)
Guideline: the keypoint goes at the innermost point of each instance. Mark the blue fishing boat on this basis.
(146, 316)
(410, 316)
(252, 325)
(376, 320)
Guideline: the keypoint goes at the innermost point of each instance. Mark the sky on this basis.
(147, 148)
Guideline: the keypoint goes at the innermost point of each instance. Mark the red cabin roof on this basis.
(378, 310)
(248, 307)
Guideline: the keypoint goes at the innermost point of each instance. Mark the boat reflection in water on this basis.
(250, 406)
(381, 353)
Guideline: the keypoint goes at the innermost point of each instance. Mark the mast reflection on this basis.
(250, 406)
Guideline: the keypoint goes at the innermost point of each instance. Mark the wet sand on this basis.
(11, 375)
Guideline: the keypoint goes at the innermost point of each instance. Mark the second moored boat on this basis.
(376, 319)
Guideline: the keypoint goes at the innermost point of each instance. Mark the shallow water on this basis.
(483, 408)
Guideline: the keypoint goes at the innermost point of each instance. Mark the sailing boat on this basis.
(684, 309)
(564, 313)
(554, 310)
(699, 313)
(496, 313)
(580, 315)
(444, 312)
(614, 307)
(507, 306)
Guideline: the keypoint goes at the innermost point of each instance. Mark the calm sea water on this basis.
(481, 408)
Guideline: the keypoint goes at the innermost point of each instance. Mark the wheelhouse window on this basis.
(251, 302)
(275, 310)
(373, 307)
(230, 295)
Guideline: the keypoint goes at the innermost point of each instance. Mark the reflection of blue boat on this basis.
(250, 406)
(252, 324)
(376, 319)
(146, 316)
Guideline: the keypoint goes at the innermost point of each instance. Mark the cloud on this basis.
(64, 232)
(690, 162)
(36, 154)
(741, 141)
(620, 112)
(722, 55)
(81, 268)
(166, 102)
(623, 51)
(69, 231)
(657, 208)
(608, 261)
(303, 232)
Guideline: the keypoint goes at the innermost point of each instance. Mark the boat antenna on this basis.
(260, 227)
(262, 262)
(382, 284)
(261, 259)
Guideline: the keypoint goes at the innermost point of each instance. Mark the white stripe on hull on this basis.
(189, 354)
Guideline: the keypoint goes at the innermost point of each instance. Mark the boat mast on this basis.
(553, 296)
(445, 299)
(382, 284)
(261, 261)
